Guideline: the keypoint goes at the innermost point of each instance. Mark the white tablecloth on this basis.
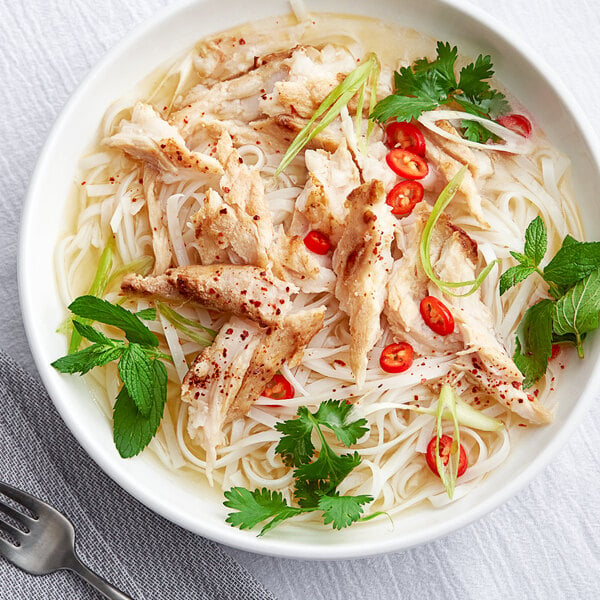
(545, 542)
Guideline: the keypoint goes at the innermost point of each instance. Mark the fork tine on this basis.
(17, 534)
(16, 514)
(8, 550)
(19, 496)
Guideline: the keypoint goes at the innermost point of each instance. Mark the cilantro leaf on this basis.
(496, 103)
(514, 275)
(536, 241)
(442, 66)
(472, 76)
(252, 508)
(296, 447)
(138, 376)
(428, 84)
(476, 132)
(402, 108)
(82, 361)
(132, 431)
(578, 311)
(534, 342)
(334, 414)
(329, 466)
(574, 261)
(316, 481)
(96, 309)
(342, 511)
(308, 492)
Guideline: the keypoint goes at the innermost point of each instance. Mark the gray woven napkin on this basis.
(140, 552)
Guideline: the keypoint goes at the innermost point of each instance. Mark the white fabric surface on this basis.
(545, 542)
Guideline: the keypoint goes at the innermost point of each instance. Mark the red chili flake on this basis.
(339, 362)
(226, 190)
(242, 42)
(83, 183)
(229, 331)
(256, 217)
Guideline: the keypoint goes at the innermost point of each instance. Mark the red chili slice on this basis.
(445, 448)
(317, 242)
(517, 123)
(406, 164)
(437, 316)
(279, 388)
(396, 358)
(404, 196)
(405, 136)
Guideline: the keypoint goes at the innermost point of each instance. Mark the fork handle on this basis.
(96, 581)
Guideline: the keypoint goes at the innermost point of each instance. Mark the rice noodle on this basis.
(111, 203)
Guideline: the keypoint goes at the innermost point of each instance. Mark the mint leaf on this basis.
(536, 240)
(252, 508)
(334, 414)
(573, 262)
(296, 447)
(534, 342)
(91, 334)
(82, 361)
(514, 275)
(132, 431)
(103, 311)
(148, 314)
(522, 258)
(342, 511)
(138, 375)
(577, 312)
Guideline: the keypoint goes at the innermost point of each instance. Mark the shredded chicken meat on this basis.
(228, 376)
(242, 290)
(482, 357)
(362, 262)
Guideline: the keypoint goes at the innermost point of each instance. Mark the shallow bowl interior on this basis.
(178, 498)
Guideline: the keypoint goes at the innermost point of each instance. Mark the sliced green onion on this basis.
(329, 109)
(467, 415)
(440, 204)
(448, 473)
(373, 99)
(97, 287)
(191, 329)
(142, 266)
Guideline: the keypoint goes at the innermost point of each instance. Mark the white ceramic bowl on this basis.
(196, 507)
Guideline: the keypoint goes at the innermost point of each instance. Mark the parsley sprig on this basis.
(573, 279)
(316, 481)
(428, 84)
(140, 403)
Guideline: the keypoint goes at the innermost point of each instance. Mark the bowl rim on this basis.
(230, 536)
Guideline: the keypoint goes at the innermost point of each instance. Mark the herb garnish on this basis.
(426, 85)
(441, 203)
(316, 481)
(332, 105)
(573, 279)
(139, 406)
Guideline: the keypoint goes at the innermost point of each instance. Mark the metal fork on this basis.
(45, 541)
